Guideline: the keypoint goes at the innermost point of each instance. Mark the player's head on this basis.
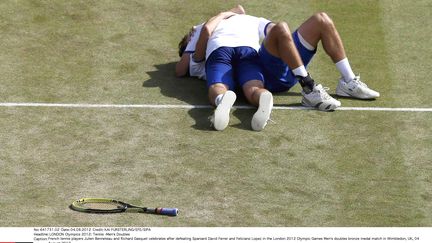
(185, 40)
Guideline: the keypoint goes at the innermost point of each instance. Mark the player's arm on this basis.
(182, 66)
(207, 30)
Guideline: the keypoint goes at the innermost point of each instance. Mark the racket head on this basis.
(98, 205)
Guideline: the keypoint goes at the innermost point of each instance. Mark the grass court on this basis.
(309, 168)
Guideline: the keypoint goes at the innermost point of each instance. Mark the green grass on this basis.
(310, 168)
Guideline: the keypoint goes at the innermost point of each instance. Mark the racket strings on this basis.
(102, 205)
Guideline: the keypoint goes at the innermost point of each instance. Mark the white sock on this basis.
(345, 69)
(300, 71)
(218, 99)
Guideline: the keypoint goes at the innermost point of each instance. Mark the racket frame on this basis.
(76, 205)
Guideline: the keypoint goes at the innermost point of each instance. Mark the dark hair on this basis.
(182, 44)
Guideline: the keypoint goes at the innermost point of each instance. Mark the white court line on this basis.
(155, 106)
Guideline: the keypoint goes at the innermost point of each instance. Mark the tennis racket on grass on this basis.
(107, 205)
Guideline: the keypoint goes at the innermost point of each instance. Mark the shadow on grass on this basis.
(202, 119)
(350, 98)
(289, 93)
(194, 92)
(245, 117)
(188, 90)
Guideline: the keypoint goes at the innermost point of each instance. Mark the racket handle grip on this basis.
(167, 211)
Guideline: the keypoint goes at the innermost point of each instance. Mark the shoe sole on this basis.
(222, 112)
(321, 105)
(262, 115)
(340, 92)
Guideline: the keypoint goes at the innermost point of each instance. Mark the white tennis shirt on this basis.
(238, 30)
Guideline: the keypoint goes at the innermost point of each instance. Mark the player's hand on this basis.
(238, 9)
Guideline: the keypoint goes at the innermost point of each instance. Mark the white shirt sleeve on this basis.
(262, 27)
(197, 69)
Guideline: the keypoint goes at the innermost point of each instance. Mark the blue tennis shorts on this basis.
(278, 76)
(233, 66)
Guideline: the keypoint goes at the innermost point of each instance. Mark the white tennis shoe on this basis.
(355, 88)
(320, 99)
(262, 115)
(220, 118)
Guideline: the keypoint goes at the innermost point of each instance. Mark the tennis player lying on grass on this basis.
(285, 56)
(232, 60)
